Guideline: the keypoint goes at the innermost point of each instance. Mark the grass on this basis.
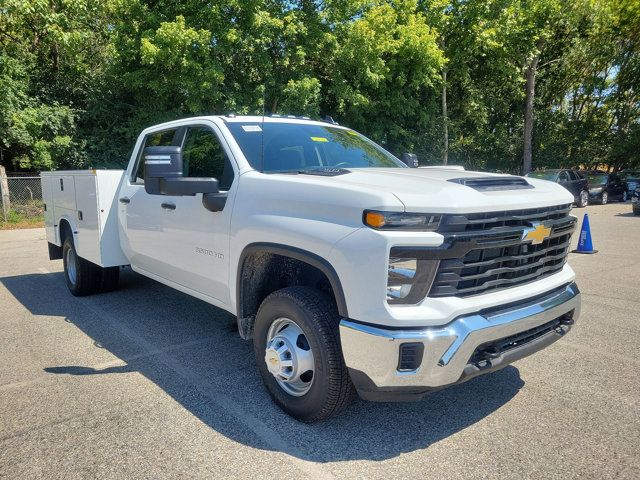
(23, 215)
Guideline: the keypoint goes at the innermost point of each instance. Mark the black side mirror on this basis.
(163, 174)
(410, 159)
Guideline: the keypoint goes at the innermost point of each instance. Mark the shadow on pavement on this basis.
(192, 351)
(78, 370)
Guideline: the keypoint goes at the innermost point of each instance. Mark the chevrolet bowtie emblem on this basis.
(536, 234)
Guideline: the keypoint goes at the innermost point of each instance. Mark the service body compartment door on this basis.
(64, 192)
(88, 227)
(49, 213)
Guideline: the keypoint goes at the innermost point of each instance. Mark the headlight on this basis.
(595, 190)
(424, 222)
(409, 279)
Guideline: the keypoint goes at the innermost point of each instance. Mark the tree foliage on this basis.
(80, 78)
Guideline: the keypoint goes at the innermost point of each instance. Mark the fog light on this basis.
(409, 279)
(400, 279)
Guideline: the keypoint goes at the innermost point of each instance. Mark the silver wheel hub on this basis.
(288, 357)
(71, 266)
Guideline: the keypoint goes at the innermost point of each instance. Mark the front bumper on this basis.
(464, 348)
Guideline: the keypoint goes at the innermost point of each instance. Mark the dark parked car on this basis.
(633, 180)
(569, 179)
(635, 201)
(605, 187)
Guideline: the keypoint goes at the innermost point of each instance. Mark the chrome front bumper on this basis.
(372, 353)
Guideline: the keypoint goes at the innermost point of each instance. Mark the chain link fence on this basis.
(21, 198)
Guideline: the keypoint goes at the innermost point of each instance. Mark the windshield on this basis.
(295, 146)
(544, 175)
(595, 179)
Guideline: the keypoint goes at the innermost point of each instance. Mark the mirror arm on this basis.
(214, 202)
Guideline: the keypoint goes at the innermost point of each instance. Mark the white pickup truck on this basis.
(348, 269)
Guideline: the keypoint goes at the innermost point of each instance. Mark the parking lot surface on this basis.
(146, 382)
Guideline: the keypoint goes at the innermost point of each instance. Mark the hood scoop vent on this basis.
(489, 184)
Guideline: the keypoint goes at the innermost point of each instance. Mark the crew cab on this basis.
(349, 271)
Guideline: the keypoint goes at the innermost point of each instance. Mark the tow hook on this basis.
(567, 320)
(483, 364)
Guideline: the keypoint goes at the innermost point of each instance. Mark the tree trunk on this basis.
(530, 74)
(445, 119)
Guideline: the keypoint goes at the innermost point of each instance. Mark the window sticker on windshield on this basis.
(251, 128)
(319, 139)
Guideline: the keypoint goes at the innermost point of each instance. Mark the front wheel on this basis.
(297, 349)
(624, 196)
(583, 200)
(605, 198)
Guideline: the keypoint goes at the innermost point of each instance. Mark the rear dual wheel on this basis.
(297, 349)
(83, 277)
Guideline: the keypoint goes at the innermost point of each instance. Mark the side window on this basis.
(165, 138)
(203, 156)
(572, 175)
(564, 177)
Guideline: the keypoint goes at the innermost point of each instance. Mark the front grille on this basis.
(489, 252)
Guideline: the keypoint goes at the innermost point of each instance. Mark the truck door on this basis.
(196, 240)
(141, 215)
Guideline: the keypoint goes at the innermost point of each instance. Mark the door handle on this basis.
(168, 206)
(125, 200)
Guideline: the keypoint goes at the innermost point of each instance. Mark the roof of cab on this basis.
(273, 118)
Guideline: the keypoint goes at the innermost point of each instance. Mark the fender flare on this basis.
(299, 254)
(72, 226)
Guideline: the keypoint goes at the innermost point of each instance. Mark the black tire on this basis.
(316, 315)
(108, 279)
(604, 199)
(583, 199)
(79, 273)
(624, 196)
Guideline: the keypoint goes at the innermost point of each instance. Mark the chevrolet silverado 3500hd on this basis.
(349, 270)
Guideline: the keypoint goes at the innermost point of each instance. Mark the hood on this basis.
(450, 191)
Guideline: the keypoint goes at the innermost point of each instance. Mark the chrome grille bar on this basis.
(495, 256)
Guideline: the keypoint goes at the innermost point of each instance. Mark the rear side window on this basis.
(165, 138)
(573, 175)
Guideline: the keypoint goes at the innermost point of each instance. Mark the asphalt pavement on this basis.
(147, 382)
